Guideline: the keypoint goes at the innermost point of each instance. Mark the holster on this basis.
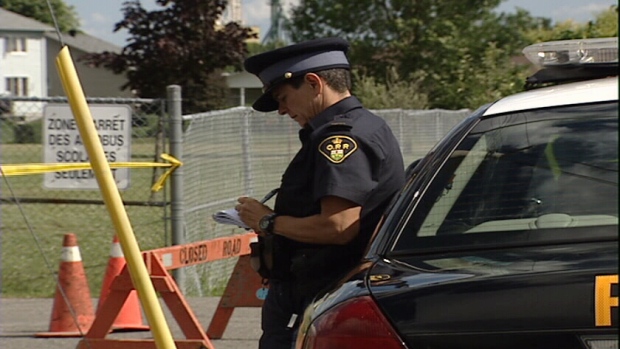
(261, 256)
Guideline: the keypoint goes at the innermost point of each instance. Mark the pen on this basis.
(269, 195)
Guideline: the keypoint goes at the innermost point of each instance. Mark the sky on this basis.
(98, 17)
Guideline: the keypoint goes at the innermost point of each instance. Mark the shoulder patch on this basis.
(337, 148)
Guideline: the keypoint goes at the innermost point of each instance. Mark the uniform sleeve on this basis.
(345, 167)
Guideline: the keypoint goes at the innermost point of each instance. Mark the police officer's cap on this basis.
(274, 67)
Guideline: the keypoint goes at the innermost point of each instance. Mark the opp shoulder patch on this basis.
(337, 148)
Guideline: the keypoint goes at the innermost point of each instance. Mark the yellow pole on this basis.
(113, 202)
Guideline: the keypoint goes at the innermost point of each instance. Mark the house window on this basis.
(15, 44)
(17, 86)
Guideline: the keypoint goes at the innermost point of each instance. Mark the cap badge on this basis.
(337, 148)
(288, 75)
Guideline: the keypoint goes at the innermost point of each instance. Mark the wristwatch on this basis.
(265, 225)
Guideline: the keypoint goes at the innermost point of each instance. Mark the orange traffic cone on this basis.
(72, 313)
(129, 318)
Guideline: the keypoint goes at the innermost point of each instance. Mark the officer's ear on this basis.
(313, 80)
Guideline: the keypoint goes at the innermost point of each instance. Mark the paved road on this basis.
(21, 319)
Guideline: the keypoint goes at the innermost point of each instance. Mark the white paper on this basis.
(230, 216)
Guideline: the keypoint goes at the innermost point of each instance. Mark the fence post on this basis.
(176, 180)
(246, 146)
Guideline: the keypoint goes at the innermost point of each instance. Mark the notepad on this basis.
(230, 216)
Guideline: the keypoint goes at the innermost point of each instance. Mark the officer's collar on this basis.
(327, 115)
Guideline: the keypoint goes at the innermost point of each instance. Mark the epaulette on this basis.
(341, 121)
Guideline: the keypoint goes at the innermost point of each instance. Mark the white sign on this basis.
(63, 144)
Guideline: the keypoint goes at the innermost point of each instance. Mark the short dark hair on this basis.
(338, 79)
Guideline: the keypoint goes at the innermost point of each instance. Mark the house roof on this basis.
(85, 42)
(11, 21)
(14, 22)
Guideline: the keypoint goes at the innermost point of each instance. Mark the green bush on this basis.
(6, 132)
(21, 132)
(394, 93)
(24, 133)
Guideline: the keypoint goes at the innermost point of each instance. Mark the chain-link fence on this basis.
(239, 151)
(225, 154)
(37, 210)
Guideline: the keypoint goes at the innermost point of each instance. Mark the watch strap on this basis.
(270, 219)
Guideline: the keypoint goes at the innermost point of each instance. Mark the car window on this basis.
(521, 175)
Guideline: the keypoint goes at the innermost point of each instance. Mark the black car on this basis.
(506, 233)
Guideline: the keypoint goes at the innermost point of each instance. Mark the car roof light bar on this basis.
(573, 52)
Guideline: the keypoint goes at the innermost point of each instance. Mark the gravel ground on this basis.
(21, 319)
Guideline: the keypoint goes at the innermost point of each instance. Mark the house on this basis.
(245, 88)
(28, 50)
(96, 82)
(23, 50)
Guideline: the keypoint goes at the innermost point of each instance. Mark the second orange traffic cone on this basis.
(130, 316)
(72, 312)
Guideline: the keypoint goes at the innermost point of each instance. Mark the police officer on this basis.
(334, 190)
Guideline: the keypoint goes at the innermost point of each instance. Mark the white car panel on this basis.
(574, 93)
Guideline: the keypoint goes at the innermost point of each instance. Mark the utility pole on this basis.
(275, 34)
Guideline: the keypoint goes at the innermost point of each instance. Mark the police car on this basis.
(506, 233)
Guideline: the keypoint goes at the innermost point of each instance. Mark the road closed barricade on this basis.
(241, 291)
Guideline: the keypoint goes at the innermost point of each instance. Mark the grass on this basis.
(32, 233)
(30, 259)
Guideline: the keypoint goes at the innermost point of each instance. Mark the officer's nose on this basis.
(282, 109)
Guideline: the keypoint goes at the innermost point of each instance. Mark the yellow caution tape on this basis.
(29, 169)
(174, 164)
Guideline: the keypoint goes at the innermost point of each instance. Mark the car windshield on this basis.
(516, 176)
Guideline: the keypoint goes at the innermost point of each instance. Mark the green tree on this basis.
(394, 93)
(37, 9)
(179, 44)
(444, 45)
(604, 25)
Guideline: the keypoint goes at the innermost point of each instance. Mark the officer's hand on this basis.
(251, 211)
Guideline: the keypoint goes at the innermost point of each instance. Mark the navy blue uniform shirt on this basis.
(346, 152)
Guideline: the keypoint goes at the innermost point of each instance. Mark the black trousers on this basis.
(281, 315)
